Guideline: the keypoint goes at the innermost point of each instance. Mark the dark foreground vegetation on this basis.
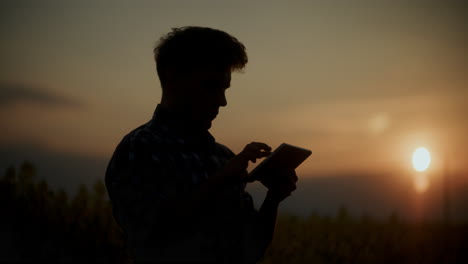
(41, 225)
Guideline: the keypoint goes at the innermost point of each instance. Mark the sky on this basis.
(360, 83)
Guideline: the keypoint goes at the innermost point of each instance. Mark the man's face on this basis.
(202, 92)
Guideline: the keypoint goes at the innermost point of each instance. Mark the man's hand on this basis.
(236, 168)
(280, 184)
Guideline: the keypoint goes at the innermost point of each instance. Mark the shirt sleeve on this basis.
(136, 184)
(252, 237)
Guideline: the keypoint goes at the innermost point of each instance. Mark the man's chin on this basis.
(207, 125)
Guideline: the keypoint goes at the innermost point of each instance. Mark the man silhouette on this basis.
(178, 194)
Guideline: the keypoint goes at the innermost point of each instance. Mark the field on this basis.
(39, 224)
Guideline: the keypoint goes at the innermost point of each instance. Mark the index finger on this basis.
(261, 145)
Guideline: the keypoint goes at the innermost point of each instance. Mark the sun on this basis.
(421, 159)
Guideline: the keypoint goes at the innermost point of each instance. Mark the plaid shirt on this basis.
(160, 161)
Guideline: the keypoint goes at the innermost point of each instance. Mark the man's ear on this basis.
(175, 78)
(169, 76)
(171, 81)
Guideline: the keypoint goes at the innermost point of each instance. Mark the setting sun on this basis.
(421, 159)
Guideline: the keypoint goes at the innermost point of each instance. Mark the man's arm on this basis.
(280, 185)
(267, 217)
(266, 222)
(135, 201)
(138, 188)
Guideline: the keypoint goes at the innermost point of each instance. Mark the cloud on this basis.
(13, 93)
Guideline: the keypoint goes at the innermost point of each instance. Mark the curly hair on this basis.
(187, 48)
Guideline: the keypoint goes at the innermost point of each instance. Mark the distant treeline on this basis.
(41, 225)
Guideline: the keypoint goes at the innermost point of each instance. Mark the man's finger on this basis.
(260, 146)
(294, 176)
(256, 152)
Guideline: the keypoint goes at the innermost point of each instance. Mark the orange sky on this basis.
(361, 85)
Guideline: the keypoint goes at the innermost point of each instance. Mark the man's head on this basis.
(194, 65)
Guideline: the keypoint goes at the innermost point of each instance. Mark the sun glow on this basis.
(421, 159)
(421, 183)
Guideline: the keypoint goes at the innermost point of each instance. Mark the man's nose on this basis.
(222, 100)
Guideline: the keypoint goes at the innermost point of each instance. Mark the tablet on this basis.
(284, 157)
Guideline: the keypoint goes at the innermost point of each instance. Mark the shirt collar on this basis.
(175, 124)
